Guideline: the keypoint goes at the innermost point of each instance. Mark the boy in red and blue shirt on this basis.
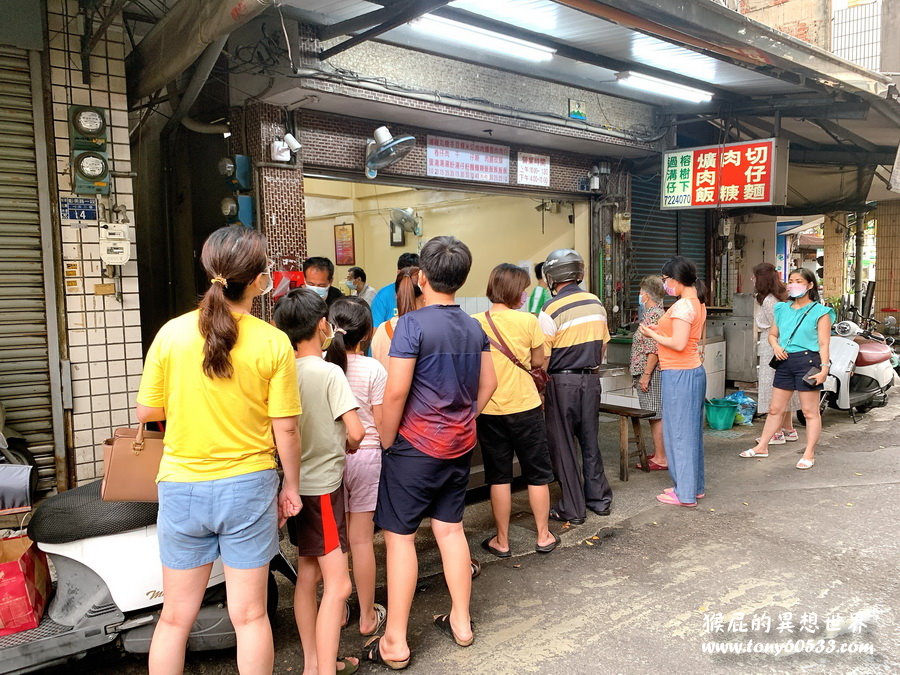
(440, 376)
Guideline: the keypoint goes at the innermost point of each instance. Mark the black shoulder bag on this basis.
(773, 363)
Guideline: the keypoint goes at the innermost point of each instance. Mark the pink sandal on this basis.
(670, 498)
(671, 491)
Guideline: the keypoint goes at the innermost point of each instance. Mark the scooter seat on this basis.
(871, 353)
(80, 514)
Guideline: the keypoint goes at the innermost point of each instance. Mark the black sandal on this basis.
(442, 621)
(486, 545)
(372, 653)
(549, 548)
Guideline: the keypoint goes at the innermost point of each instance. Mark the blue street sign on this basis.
(78, 209)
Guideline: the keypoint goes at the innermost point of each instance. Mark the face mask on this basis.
(797, 290)
(641, 303)
(320, 291)
(670, 289)
(326, 343)
(349, 284)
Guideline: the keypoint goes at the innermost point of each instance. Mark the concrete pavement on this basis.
(643, 590)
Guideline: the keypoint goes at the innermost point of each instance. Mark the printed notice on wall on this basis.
(533, 169)
(467, 160)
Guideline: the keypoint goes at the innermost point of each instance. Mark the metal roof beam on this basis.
(769, 128)
(361, 22)
(823, 108)
(409, 12)
(883, 156)
(845, 134)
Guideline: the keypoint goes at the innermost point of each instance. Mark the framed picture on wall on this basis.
(398, 235)
(344, 245)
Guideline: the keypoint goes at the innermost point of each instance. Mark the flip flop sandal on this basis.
(372, 653)
(380, 618)
(486, 545)
(670, 498)
(349, 667)
(549, 547)
(753, 453)
(671, 491)
(652, 466)
(804, 464)
(476, 567)
(346, 614)
(442, 621)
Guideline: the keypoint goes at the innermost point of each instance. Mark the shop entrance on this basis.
(350, 223)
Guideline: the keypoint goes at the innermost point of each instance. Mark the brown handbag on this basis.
(130, 464)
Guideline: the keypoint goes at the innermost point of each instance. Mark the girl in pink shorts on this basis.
(352, 320)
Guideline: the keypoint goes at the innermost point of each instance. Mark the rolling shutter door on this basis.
(692, 239)
(25, 383)
(657, 235)
(654, 233)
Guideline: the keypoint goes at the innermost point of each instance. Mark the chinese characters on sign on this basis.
(736, 174)
(467, 160)
(533, 169)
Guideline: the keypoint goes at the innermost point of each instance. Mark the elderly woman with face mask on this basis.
(645, 367)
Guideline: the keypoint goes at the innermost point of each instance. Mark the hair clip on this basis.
(340, 330)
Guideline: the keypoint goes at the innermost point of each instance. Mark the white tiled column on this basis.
(104, 334)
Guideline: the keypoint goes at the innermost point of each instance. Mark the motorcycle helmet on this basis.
(563, 265)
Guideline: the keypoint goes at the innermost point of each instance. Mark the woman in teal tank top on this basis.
(800, 340)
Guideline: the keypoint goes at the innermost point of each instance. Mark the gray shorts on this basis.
(235, 518)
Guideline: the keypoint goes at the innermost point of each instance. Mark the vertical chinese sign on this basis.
(467, 160)
(751, 173)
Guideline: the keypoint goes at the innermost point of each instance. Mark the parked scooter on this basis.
(862, 370)
(108, 587)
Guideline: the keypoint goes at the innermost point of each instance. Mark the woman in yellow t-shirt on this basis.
(224, 381)
(683, 377)
(512, 423)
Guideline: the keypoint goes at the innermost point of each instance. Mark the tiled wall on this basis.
(887, 257)
(103, 334)
(278, 188)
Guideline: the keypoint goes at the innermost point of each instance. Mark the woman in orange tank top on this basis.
(683, 377)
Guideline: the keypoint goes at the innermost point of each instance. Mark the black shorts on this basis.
(518, 434)
(790, 373)
(414, 486)
(320, 526)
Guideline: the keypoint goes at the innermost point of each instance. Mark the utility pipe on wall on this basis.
(180, 37)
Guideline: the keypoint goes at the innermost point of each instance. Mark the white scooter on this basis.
(861, 370)
(108, 587)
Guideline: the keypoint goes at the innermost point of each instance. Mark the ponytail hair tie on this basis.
(219, 280)
(340, 330)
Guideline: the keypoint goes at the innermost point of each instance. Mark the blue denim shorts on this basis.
(235, 518)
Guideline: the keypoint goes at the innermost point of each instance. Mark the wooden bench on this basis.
(635, 415)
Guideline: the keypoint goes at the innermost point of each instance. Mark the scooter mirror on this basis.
(890, 321)
(844, 329)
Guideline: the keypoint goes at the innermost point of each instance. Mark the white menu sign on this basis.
(467, 160)
(533, 169)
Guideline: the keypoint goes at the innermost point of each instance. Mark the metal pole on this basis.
(860, 244)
